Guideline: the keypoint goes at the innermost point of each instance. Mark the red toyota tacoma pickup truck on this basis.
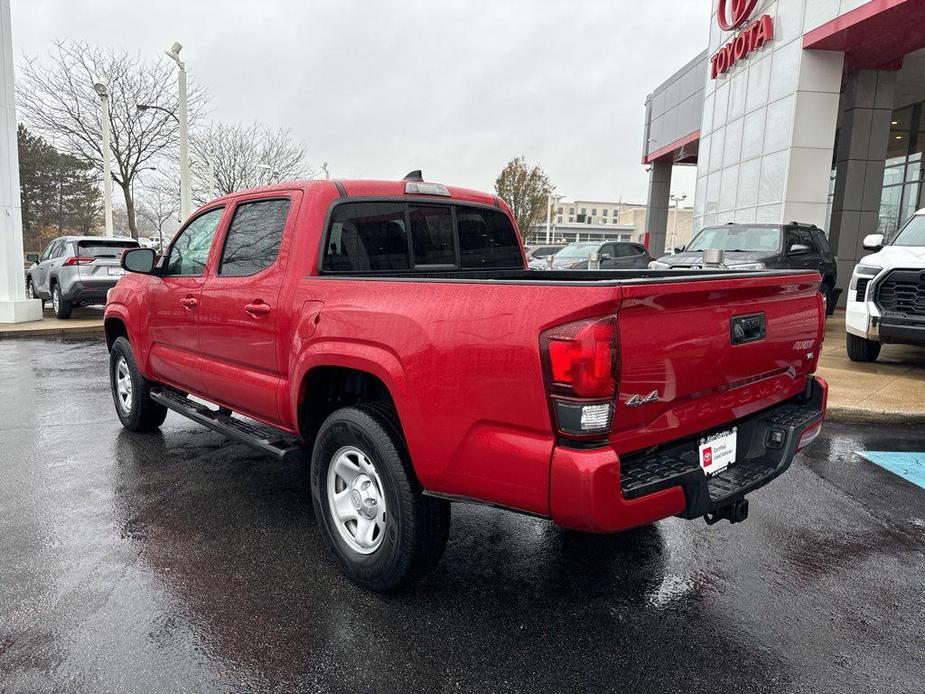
(391, 333)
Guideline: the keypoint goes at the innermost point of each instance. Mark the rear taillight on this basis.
(581, 361)
(809, 435)
(76, 260)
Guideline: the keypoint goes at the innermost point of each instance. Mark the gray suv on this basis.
(76, 270)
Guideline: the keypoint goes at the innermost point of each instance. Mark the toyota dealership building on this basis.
(798, 110)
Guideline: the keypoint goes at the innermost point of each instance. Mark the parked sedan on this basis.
(614, 255)
(760, 247)
(76, 270)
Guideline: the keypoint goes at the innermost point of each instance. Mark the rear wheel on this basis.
(62, 306)
(861, 349)
(371, 511)
(30, 291)
(130, 391)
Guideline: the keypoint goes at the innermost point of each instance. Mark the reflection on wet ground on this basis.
(179, 561)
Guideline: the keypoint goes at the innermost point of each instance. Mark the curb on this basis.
(856, 415)
(32, 333)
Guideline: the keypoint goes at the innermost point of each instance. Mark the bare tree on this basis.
(159, 201)
(244, 156)
(56, 98)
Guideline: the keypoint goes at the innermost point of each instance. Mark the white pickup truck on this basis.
(886, 297)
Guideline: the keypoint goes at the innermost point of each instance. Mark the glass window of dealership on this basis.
(798, 110)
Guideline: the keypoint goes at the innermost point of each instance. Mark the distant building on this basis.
(592, 220)
(679, 235)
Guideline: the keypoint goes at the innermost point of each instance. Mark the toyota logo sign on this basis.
(732, 14)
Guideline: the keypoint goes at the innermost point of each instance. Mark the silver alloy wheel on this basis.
(123, 386)
(30, 289)
(356, 500)
(55, 297)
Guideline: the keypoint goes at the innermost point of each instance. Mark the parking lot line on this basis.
(909, 466)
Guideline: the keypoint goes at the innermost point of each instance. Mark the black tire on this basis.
(416, 527)
(861, 349)
(30, 291)
(142, 413)
(830, 298)
(62, 307)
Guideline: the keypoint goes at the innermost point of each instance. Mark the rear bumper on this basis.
(88, 291)
(595, 491)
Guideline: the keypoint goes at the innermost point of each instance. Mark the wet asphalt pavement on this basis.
(181, 562)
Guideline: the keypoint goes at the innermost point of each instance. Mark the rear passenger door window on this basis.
(367, 236)
(432, 236)
(254, 237)
(487, 239)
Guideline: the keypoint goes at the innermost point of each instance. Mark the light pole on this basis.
(185, 194)
(102, 89)
(677, 200)
(550, 200)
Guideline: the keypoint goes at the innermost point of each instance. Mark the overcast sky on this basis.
(379, 87)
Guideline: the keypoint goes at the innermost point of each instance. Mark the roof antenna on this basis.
(414, 176)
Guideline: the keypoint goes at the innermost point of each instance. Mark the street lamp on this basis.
(101, 86)
(677, 200)
(141, 108)
(185, 194)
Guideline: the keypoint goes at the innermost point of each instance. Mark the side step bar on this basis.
(260, 437)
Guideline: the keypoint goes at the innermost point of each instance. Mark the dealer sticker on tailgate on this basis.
(718, 451)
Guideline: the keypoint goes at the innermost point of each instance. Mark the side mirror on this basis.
(873, 242)
(606, 256)
(679, 249)
(799, 249)
(140, 260)
(32, 257)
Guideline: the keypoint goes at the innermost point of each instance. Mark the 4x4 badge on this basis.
(637, 400)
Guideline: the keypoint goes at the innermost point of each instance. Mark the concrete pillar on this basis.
(864, 131)
(14, 307)
(657, 207)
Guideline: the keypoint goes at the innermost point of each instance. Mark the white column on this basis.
(14, 306)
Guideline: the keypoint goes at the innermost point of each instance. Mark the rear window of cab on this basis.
(391, 236)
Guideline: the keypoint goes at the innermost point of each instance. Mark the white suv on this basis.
(886, 297)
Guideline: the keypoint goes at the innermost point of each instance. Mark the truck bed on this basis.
(463, 346)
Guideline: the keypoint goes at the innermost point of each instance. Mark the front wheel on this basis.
(862, 349)
(130, 391)
(370, 508)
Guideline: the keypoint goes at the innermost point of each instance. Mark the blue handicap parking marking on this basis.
(909, 466)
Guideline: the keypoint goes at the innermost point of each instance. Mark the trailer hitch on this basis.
(736, 512)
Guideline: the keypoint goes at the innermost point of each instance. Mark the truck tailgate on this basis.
(696, 355)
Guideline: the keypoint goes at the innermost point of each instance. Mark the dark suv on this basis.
(614, 255)
(761, 247)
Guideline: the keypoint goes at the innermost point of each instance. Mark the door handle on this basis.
(258, 308)
(189, 302)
